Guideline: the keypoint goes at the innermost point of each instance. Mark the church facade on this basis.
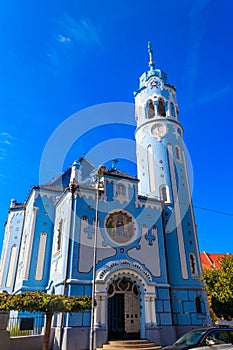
(148, 269)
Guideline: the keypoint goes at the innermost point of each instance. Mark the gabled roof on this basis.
(62, 181)
(210, 260)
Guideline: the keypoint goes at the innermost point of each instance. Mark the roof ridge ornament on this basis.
(150, 51)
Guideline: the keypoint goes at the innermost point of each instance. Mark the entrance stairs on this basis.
(130, 345)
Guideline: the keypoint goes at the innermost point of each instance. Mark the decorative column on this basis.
(150, 315)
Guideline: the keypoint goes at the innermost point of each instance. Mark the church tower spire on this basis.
(150, 51)
(162, 168)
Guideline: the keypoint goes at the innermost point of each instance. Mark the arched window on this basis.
(172, 110)
(151, 109)
(121, 190)
(161, 109)
(41, 257)
(178, 153)
(198, 305)
(164, 194)
(193, 263)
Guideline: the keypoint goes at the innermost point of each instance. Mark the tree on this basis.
(219, 285)
(46, 303)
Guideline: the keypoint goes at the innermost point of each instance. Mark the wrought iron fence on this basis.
(26, 325)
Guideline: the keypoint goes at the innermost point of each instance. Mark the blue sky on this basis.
(59, 57)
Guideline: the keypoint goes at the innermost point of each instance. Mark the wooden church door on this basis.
(123, 310)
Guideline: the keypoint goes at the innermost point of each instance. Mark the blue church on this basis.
(138, 233)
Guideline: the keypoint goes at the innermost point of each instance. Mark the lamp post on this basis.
(100, 173)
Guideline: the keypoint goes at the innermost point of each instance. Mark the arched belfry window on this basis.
(150, 109)
(161, 109)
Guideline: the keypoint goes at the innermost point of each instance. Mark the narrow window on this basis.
(161, 109)
(41, 257)
(151, 109)
(193, 263)
(198, 305)
(59, 235)
(178, 154)
(151, 167)
(163, 193)
(172, 109)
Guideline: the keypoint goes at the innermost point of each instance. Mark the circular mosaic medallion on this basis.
(121, 227)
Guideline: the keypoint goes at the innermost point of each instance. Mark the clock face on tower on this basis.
(158, 130)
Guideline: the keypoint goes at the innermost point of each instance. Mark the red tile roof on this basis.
(210, 260)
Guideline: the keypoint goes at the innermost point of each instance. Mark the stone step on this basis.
(128, 345)
(142, 344)
(126, 342)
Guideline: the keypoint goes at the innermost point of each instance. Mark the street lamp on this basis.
(100, 173)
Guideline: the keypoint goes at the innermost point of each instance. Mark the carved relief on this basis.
(87, 243)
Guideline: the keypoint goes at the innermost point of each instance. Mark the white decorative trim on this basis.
(148, 204)
(176, 210)
(123, 266)
(87, 194)
(44, 193)
(30, 241)
(41, 256)
(151, 168)
(192, 212)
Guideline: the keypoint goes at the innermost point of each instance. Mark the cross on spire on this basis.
(114, 163)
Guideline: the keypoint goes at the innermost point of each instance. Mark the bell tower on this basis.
(157, 127)
(162, 170)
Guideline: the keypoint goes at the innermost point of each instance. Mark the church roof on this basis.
(62, 181)
(118, 173)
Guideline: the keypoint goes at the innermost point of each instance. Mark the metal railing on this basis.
(25, 325)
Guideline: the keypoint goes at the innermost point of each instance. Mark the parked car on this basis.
(204, 339)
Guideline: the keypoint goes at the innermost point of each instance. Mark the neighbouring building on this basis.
(211, 260)
(147, 264)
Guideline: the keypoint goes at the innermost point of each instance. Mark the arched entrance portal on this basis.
(123, 310)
